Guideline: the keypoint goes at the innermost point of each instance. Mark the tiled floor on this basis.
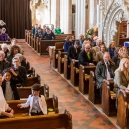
(84, 114)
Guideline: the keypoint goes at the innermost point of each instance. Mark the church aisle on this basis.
(84, 114)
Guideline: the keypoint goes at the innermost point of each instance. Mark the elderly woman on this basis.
(5, 110)
(13, 51)
(99, 55)
(111, 48)
(4, 48)
(22, 60)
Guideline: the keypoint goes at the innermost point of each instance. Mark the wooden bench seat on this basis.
(84, 72)
(24, 92)
(108, 104)
(61, 61)
(52, 121)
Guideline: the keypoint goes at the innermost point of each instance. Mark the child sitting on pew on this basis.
(5, 110)
(36, 102)
(9, 84)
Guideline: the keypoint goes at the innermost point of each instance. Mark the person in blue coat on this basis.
(112, 48)
(68, 43)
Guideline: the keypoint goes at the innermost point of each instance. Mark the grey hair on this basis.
(4, 45)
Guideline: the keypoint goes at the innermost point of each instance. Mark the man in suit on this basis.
(97, 47)
(73, 52)
(3, 63)
(20, 70)
(35, 29)
(104, 71)
(86, 57)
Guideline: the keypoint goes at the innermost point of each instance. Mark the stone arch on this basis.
(114, 14)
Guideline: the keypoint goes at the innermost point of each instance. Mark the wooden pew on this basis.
(74, 77)
(123, 110)
(51, 103)
(84, 74)
(32, 80)
(108, 99)
(58, 47)
(63, 36)
(94, 94)
(61, 61)
(67, 68)
(24, 92)
(52, 121)
(28, 36)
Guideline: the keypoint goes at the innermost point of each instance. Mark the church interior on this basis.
(64, 64)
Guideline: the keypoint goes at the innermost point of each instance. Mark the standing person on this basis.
(5, 110)
(112, 48)
(49, 35)
(4, 36)
(36, 102)
(81, 39)
(35, 29)
(52, 28)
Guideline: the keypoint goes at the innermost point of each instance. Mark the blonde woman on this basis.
(121, 79)
(84, 43)
(99, 55)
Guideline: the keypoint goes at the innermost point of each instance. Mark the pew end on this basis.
(108, 103)
(66, 67)
(122, 110)
(46, 90)
(94, 94)
(84, 74)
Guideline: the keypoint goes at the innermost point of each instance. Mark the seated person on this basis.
(9, 84)
(121, 79)
(85, 56)
(94, 41)
(36, 102)
(73, 51)
(119, 54)
(97, 47)
(20, 70)
(5, 110)
(81, 39)
(112, 47)
(39, 33)
(104, 71)
(13, 51)
(99, 55)
(48, 34)
(58, 30)
(22, 60)
(35, 29)
(3, 63)
(4, 36)
(4, 47)
(68, 43)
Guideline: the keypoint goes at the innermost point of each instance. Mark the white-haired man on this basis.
(3, 63)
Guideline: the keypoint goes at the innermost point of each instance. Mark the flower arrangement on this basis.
(89, 33)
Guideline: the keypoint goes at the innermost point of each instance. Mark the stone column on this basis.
(91, 22)
(66, 16)
(55, 12)
(80, 22)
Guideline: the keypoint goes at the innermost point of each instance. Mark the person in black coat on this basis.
(73, 51)
(48, 34)
(86, 57)
(9, 84)
(20, 70)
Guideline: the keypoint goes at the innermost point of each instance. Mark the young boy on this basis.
(36, 102)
